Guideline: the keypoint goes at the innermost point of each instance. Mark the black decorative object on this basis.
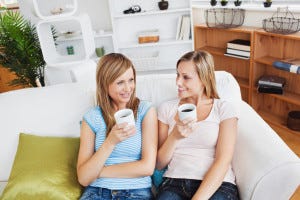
(224, 17)
(237, 2)
(133, 9)
(224, 2)
(163, 5)
(267, 3)
(282, 22)
(293, 121)
(213, 2)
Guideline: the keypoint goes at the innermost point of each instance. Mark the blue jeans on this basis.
(97, 193)
(184, 189)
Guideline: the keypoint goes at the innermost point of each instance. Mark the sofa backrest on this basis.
(161, 87)
(49, 111)
(57, 110)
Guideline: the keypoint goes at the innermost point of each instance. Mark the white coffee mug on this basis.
(124, 115)
(187, 111)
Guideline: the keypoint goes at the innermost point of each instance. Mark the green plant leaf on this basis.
(20, 50)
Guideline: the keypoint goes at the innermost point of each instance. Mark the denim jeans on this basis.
(96, 193)
(184, 189)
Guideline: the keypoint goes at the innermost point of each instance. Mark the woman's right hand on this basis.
(185, 127)
(120, 132)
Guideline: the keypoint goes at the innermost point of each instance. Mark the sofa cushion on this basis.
(44, 168)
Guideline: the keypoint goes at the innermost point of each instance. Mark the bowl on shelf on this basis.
(293, 121)
(224, 17)
(282, 22)
(57, 11)
(70, 34)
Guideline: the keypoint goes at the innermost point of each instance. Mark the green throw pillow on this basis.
(44, 168)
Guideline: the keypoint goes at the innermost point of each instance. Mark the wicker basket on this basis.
(282, 22)
(144, 61)
(224, 17)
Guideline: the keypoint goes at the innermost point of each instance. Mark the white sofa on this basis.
(265, 167)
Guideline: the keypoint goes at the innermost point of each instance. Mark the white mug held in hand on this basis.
(125, 115)
(187, 111)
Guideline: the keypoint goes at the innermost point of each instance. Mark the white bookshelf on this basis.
(127, 26)
(154, 12)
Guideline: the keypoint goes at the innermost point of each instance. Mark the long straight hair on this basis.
(204, 65)
(109, 68)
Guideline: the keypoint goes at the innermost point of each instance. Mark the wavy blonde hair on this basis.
(204, 65)
(109, 68)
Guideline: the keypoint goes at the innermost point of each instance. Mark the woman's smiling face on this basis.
(188, 81)
(122, 88)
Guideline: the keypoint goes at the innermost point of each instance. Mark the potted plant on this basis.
(267, 3)
(20, 50)
(213, 2)
(224, 2)
(237, 2)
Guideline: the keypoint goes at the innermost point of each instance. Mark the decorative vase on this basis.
(267, 4)
(237, 3)
(213, 2)
(163, 5)
(224, 3)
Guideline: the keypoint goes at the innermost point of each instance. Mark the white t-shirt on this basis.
(195, 154)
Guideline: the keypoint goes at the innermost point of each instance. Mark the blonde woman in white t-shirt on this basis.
(197, 152)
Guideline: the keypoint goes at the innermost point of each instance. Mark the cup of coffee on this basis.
(187, 111)
(124, 115)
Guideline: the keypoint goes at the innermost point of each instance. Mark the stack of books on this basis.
(238, 48)
(184, 28)
(271, 84)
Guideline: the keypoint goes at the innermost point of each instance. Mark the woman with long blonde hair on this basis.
(197, 151)
(117, 160)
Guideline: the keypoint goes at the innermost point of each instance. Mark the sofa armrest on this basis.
(265, 167)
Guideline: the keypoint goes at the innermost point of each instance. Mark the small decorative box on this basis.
(148, 36)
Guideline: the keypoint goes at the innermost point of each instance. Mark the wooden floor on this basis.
(5, 77)
(293, 141)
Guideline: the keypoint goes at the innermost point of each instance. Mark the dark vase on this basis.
(213, 3)
(163, 5)
(237, 3)
(224, 3)
(267, 4)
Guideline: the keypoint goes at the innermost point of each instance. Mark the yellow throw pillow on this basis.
(44, 168)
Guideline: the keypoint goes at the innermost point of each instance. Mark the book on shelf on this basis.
(290, 65)
(272, 80)
(269, 89)
(239, 44)
(237, 56)
(183, 28)
(238, 52)
(179, 24)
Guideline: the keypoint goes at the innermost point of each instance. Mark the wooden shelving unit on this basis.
(265, 49)
(214, 40)
(270, 47)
